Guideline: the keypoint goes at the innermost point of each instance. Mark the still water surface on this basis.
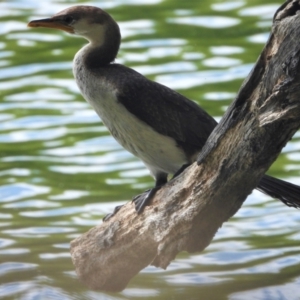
(61, 172)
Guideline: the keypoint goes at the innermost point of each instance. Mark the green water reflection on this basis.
(61, 172)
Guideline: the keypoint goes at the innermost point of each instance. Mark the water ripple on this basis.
(24, 70)
(263, 11)
(193, 79)
(14, 288)
(14, 266)
(6, 242)
(37, 232)
(17, 191)
(206, 21)
(228, 5)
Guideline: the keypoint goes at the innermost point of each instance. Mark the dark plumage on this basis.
(166, 111)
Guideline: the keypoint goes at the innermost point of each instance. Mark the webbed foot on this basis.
(142, 200)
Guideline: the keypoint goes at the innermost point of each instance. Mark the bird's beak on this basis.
(51, 23)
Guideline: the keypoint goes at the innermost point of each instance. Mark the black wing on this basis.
(165, 110)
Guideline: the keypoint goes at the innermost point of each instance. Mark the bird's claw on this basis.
(116, 209)
(141, 201)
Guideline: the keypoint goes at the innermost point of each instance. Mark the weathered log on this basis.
(187, 212)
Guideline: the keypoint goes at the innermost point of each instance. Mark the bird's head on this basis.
(90, 22)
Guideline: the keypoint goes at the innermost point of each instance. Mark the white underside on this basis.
(159, 153)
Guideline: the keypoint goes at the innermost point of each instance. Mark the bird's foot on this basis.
(116, 209)
(140, 201)
(143, 200)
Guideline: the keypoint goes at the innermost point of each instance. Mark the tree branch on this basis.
(187, 212)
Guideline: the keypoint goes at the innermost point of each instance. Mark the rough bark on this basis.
(187, 212)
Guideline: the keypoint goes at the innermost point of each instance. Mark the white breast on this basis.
(158, 152)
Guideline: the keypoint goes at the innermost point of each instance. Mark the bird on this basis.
(160, 126)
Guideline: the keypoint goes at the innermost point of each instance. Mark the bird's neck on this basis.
(102, 53)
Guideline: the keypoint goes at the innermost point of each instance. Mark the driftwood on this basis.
(187, 212)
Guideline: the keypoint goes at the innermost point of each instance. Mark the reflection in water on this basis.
(61, 171)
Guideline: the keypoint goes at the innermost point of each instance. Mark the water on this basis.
(61, 172)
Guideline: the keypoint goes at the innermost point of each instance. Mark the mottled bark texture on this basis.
(187, 212)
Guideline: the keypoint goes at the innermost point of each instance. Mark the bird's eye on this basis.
(68, 19)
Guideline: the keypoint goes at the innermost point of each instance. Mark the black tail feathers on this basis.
(284, 191)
